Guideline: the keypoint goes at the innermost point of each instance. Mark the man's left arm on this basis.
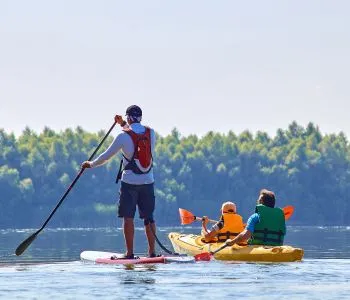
(246, 234)
(153, 142)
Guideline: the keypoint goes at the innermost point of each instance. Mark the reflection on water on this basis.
(311, 279)
(132, 280)
(50, 268)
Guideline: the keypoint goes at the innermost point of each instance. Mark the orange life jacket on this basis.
(233, 225)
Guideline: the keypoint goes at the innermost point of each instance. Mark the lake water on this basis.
(50, 268)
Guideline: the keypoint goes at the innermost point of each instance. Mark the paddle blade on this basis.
(25, 244)
(186, 216)
(205, 256)
(288, 211)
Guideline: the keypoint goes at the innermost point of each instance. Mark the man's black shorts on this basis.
(132, 195)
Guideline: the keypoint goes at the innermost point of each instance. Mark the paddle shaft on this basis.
(206, 256)
(287, 210)
(221, 248)
(76, 178)
(25, 244)
(210, 220)
(160, 244)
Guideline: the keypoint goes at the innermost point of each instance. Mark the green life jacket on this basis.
(271, 228)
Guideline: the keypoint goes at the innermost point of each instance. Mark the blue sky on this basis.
(194, 65)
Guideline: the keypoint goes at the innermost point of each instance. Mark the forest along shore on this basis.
(304, 167)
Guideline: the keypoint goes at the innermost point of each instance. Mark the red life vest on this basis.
(141, 162)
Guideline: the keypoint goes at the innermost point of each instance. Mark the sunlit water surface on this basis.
(50, 268)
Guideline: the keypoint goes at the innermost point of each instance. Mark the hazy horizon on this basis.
(197, 66)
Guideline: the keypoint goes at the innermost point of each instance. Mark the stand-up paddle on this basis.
(162, 246)
(25, 244)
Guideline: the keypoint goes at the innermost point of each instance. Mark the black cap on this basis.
(134, 110)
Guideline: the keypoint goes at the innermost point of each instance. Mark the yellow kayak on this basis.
(192, 244)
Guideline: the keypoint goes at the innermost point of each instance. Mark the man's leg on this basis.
(150, 236)
(126, 210)
(146, 204)
(128, 227)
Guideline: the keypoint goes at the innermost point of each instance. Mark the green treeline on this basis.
(303, 167)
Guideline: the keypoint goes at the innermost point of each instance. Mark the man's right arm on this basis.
(113, 149)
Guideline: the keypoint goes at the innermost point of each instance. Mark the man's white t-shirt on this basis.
(124, 143)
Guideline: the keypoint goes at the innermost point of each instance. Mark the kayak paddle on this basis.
(206, 256)
(187, 217)
(288, 211)
(25, 244)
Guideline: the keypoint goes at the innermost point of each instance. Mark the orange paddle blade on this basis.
(186, 216)
(288, 211)
(205, 256)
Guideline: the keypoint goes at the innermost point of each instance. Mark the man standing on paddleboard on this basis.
(137, 144)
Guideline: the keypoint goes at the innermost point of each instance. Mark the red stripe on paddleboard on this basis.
(141, 260)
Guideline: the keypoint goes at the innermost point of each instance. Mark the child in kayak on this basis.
(229, 226)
